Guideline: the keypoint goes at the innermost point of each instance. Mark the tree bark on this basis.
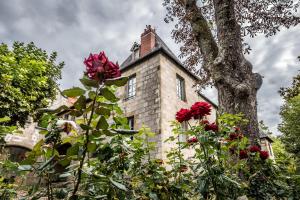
(231, 73)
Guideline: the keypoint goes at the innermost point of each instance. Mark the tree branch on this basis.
(202, 33)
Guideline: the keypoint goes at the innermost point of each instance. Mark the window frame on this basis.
(130, 121)
(180, 88)
(131, 86)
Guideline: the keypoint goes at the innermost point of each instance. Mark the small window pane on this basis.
(180, 88)
(131, 86)
(131, 122)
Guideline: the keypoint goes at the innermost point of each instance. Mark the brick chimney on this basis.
(147, 40)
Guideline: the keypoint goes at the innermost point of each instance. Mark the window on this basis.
(136, 54)
(180, 87)
(131, 89)
(131, 122)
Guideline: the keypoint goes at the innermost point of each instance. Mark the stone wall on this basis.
(145, 106)
(156, 101)
(170, 103)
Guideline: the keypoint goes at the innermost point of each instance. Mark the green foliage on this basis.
(290, 127)
(283, 159)
(27, 81)
(102, 159)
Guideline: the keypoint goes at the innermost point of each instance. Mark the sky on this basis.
(74, 28)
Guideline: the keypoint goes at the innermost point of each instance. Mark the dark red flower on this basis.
(200, 109)
(183, 115)
(232, 150)
(67, 127)
(183, 168)
(237, 129)
(112, 70)
(254, 148)
(264, 155)
(243, 154)
(234, 136)
(98, 67)
(211, 127)
(192, 140)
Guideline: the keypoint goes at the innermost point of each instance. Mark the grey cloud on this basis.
(74, 28)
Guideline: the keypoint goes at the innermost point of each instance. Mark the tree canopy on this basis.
(212, 33)
(27, 81)
(197, 26)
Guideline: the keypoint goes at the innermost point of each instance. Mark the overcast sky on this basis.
(74, 28)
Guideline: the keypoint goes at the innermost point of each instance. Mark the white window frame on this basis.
(180, 88)
(131, 87)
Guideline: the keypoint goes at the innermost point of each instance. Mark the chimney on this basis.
(147, 40)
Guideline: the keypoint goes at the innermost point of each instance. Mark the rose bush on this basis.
(106, 160)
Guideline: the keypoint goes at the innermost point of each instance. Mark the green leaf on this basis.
(102, 123)
(102, 111)
(73, 150)
(80, 103)
(24, 167)
(91, 147)
(41, 168)
(118, 185)
(73, 92)
(88, 82)
(106, 93)
(76, 113)
(85, 127)
(153, 196)
(64, 162)
(4, 119)
(92, 94)
(121, 81)
(65, 175)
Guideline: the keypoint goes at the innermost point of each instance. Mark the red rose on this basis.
(234, 136)
(243, 154)
(183, 115)
(232, 150)
(254, 148)
(200, 109)
(183, 168)
(192, 140)
(67, 127)
(237, 129)
(211, 127)
(98, 67)
(264, 155)
(112, 70)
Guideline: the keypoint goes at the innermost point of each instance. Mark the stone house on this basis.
(159, 85)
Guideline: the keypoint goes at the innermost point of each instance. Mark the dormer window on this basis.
(135, 49)
(136, 54)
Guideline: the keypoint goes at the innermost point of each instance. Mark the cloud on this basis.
(75, 28)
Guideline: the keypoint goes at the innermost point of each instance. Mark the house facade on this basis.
(159, 85)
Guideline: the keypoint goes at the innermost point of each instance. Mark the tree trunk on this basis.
(237, 85)
(231, 73)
